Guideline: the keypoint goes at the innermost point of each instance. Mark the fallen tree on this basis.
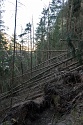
(62, 97)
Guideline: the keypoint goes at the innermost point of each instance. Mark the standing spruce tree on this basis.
(75, 27)
(48, 30)
(2, 37)
(4, 68)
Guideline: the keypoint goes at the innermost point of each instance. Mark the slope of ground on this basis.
(61, 104)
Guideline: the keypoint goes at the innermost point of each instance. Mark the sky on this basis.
(26, 10)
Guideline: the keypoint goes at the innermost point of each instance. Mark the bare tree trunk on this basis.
(13, 61)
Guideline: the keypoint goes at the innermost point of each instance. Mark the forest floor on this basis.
(68, 109)
(72, 117)
(51, 117)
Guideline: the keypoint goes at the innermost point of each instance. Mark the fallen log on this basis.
(29, 111)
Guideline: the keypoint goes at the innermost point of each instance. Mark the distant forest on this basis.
(59, 30)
